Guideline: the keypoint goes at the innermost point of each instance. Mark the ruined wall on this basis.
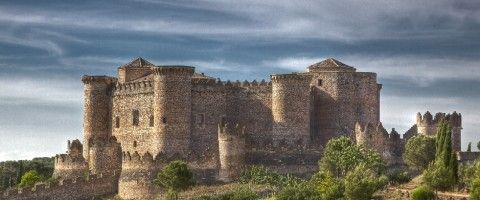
(96, 109)
(374, 136)
(72, 164)
(93, 186)
(291, 109)
(173, 108)
(251, 103)
(129, 98)
(231, 146)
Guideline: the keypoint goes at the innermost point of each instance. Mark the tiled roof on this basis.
(330, 64)
(139, 62)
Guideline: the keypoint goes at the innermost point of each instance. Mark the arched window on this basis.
(117, 122)
(152, 121)
(135, 117)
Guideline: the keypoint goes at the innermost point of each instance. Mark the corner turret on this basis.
(428, 125)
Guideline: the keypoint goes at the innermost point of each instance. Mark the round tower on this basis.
(291, 109)
(231, 146)
(136, 179)
(428, 125)
(172, 108)
(96, 109)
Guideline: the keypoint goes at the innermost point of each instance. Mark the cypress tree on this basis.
(447, 146)
(440, 139)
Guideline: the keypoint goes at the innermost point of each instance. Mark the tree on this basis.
(175, 176)
(442, 174)
(328, 186)
(419, 152)
(30, 178)
(423, 193)
(469, 147)
(478, 145)
(341, 155)
(362, 182)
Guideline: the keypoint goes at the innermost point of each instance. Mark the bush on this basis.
(175, 176)
(171, 195)
(304, 191)
(328, 186)
(362, 183)
(261, 175)
(423, 193)
(241, 193)
(398, 177)
(30, 178)
(419, 152)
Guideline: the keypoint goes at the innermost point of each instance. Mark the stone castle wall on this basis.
(374, 136)
(428, 125)
(85, 187)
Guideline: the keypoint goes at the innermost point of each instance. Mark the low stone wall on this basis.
(68, 189)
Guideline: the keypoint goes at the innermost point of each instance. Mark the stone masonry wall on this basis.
(69, 189)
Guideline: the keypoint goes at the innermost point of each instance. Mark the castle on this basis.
(134, 124)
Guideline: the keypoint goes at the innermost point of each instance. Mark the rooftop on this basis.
(330, 64)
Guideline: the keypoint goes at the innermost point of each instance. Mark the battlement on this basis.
(98, 79)
(144, 86)
(227, 130)
(136, 158)
(68, 160)
(85, 187)
(290, 77)
(365, 133)
(173, 70)
(454, 119)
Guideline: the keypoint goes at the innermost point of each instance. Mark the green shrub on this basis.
(328, 186)
(175, 176)
(241, 193)
(303, 191)
(423, 193)
(30, 178)
(398, 177)
(361, 183)
(438, 176)
(171, 195)
(261, 175)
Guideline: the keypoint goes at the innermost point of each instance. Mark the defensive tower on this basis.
(96, 109)
(72, 164)
(231, 146)
(138, 172)
(428, 125)
(291, 109)
(172, 108)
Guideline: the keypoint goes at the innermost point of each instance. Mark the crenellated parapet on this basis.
(134, 87)
(138, 173)
(231, 146)
(173, 70)
(428, 125)
(98, 79)
(85, 187)
(294, 77)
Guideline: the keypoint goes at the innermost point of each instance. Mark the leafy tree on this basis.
(423, 193)
(419, 152)
(341, 155)
(469, 147)
(362, 182)
(438, 176)
(478, 145)
(175, 176)
(30, 178)
(11, 171)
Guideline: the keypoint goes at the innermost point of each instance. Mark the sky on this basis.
(425, 53)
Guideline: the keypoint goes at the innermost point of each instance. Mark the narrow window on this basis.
(319, 82)
(200, 119)
(164, 120)
(151, 121)
(136, 116)
(134, 143)
(117, 122)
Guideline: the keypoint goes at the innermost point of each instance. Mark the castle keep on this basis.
(149, 115)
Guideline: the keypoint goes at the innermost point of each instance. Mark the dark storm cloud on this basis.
(425, 53)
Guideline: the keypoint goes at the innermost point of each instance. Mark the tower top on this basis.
(330, 65)
(138, 63)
